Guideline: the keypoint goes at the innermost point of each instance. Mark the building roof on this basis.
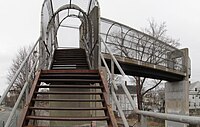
(131, 89)
(194, 85)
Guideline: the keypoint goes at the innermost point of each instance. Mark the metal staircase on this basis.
(72, 89)
(70, 59)
(69, 88)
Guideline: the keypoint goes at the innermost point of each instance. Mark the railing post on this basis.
(125, 122)
(112, 78)
(26, 77)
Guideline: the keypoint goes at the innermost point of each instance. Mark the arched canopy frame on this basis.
(54, 13)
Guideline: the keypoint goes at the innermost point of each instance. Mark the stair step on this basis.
(82, 53)
(69, 67)
(71, 80)
(64, 108)
(71, 86)
(66, 56)
(70, 71)
(83, 93)
(51, 118)
(69, 58)
(68, 63)
(70, 52)
(68, 76)
(70, 100)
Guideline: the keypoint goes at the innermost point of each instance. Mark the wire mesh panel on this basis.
(127, 42)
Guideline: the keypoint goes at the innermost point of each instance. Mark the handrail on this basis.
(113, 93)
(123, 74)
(34, 67)
(171, 117)
(18, 71)
(107, 69)
(120, 110)
(21, 95)
(115, 86)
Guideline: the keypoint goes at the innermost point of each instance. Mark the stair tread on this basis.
(69, 67)
(67, 108)
(69, 75)
(68, 118)
(71, 100)
(58, 92)
(70, 71)
(72, 65)
(68, 63)
(70, 58)
(69, 86)
(70, 80)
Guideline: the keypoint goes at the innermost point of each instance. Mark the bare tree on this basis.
(156, 53)
(22, 77)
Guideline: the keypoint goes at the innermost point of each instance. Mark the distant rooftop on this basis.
(131, 89)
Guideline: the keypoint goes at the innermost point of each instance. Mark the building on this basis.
(154, 101)
(123, 100)
(194, 95)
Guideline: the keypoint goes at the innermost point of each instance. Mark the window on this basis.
(195, 89)
(193, 97)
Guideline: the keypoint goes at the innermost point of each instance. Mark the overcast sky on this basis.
(20, 24)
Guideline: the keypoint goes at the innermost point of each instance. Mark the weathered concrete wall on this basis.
(177, 93)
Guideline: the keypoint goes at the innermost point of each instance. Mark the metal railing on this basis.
(171, 117)
(33, 59)
(115, 87)
(127, 42)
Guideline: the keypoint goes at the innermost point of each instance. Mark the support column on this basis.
(177, 93)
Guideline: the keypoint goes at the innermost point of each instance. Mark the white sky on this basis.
(20, 24)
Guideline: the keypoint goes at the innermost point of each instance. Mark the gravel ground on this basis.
(4, 114)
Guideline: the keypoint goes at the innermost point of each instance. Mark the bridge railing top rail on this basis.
(127, 42)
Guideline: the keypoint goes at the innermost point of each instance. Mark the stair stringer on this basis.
(23, 121)
(112, 122)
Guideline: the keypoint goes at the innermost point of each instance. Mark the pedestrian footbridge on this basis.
(68, 86)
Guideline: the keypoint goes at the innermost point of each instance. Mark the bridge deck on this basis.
(142, 69)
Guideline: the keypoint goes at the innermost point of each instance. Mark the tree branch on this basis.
(152, 88)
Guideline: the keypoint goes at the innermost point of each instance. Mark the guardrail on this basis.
(171, 117)
(125, 41)
(34, 61)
